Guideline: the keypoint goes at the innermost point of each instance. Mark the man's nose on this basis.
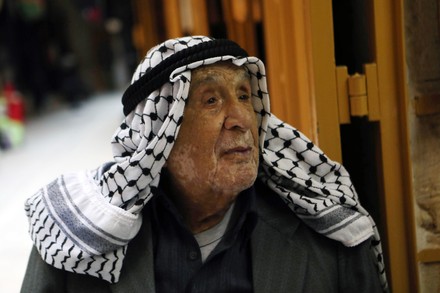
(238, 115)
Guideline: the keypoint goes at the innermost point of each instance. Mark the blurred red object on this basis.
(15, 104)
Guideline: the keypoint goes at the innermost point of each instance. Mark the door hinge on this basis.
(358, 94)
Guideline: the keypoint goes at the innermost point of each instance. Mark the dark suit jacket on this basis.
(287, 256)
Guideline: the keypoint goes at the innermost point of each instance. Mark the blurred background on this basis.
(361, 78)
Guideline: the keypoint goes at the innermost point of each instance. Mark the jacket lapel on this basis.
(279, 261)
(138, 270)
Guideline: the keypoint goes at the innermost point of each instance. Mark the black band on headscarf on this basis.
(158, 75)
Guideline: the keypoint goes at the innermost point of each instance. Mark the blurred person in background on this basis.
(29, 49)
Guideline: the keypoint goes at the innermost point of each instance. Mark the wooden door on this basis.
(374, 136)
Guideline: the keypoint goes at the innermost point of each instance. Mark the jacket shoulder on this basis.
(42, 277)
(298, 250)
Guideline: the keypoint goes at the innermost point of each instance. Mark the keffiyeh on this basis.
(83, 222)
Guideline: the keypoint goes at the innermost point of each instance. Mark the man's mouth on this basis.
(238, 150)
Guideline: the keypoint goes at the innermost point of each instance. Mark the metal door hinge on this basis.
(358, 94)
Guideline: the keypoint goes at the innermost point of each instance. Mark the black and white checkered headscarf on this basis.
(83, 222)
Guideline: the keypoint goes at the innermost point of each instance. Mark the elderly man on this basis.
(208, 192)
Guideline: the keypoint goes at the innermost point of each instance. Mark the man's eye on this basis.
(244, 97)
(211, 100)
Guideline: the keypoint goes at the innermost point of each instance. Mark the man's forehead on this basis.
(209, 72)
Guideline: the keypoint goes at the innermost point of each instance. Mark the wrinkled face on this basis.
(217, 146)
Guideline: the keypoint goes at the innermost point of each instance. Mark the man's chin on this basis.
(237, 180)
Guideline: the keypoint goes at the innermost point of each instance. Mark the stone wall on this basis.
(423, 61)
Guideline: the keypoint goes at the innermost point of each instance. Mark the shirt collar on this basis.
(244, 215)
